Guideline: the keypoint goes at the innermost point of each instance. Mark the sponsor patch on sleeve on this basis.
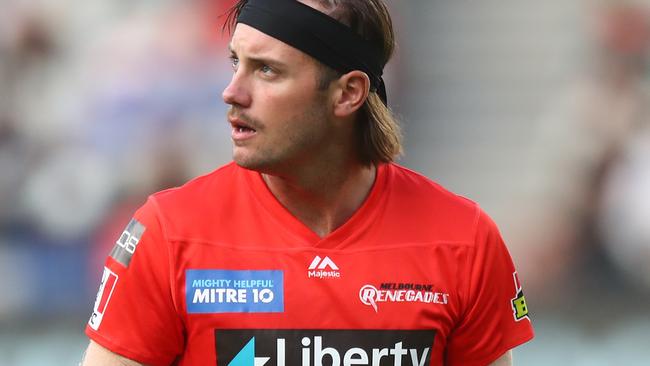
(127, 243)
(106, 287)
(519, 307)
(230, 291)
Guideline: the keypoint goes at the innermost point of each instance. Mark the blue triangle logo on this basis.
(246, 356)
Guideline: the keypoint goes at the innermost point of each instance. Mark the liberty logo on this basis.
(272, 347)
(319, 268)
(246, 357)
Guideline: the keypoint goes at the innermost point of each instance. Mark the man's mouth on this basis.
(241, 130)
(240, 125)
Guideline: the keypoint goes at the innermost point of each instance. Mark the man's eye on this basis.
(266, 69)
(234, 62)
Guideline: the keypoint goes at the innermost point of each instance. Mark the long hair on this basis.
(379, 137)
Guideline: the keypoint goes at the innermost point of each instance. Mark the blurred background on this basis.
(539, 111)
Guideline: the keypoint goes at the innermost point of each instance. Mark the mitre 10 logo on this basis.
(270, 347)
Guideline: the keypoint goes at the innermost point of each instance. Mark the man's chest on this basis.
(310, 306)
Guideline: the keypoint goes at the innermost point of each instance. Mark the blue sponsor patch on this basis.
(228, 291)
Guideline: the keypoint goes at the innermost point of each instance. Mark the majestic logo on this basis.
(127, 243)
(314, 347)
(109, 279)
(401, 292)
(319, 268)
(519, 307)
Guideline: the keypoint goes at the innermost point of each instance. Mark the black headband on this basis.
(318, 35)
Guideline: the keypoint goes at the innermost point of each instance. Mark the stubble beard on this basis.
(290, 146)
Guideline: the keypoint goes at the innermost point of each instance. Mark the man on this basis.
(312, 248)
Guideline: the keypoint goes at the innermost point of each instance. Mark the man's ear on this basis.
(353, 89)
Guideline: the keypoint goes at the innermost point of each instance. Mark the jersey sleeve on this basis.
(134, 313)
(495, 316)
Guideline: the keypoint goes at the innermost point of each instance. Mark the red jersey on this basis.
(218, 272)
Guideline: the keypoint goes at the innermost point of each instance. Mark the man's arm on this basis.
(505, 360)
(97, 355)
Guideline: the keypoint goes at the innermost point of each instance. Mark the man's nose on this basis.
(237, 92)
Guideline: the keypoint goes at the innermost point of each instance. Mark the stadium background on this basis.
(536, 110)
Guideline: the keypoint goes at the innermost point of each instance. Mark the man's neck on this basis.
(323, 199)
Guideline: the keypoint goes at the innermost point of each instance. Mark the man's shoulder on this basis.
(198, 189)
(198, 202)
(423, 206)
(415, 186)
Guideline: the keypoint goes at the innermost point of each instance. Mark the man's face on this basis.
(279, 118)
